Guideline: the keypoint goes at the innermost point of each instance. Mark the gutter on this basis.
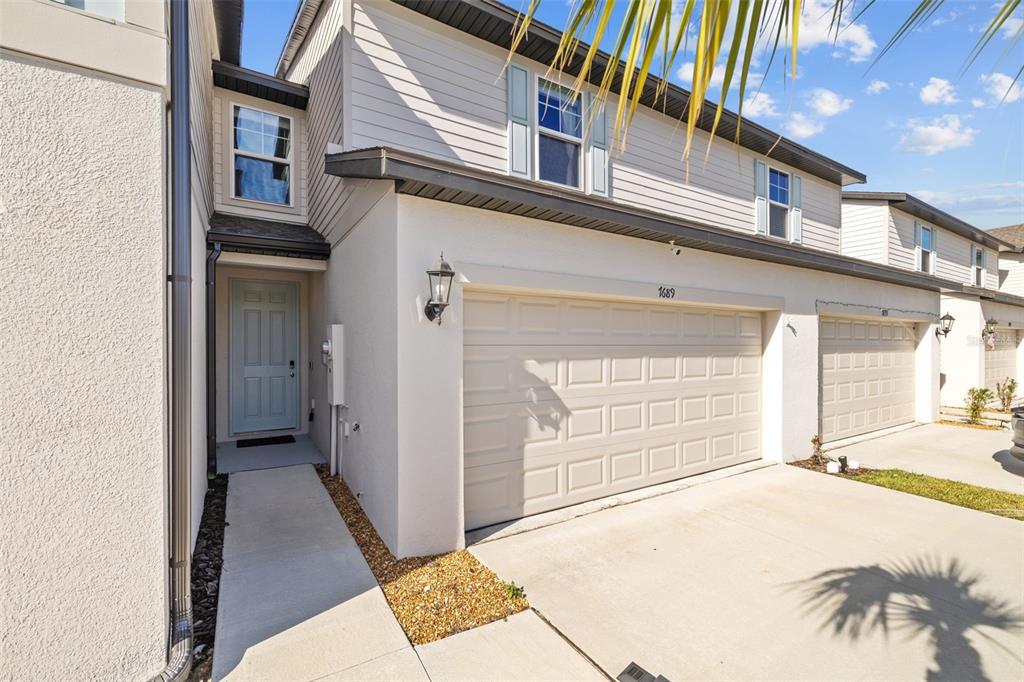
(179, 649)
(211, 360)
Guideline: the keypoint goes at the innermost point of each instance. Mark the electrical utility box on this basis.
(333, 351)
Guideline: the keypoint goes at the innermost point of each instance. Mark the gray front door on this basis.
(263, 356)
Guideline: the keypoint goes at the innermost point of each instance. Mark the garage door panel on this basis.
(867, 380)
(1001, 361)
(507, 374)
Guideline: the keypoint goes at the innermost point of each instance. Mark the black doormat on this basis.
(271, 440)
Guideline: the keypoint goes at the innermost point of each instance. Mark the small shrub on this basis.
(818, 456)
(977, 399)
(514, 591)
(1007, 392)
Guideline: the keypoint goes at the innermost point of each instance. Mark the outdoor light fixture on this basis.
(990, 326)
(440, 277)
(945, 325)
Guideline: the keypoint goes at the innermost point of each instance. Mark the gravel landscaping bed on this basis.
(432, 596)
(206, 564)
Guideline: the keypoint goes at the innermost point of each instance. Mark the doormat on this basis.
(270, 440)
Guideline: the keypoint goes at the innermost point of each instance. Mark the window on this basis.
(262, 156)
(927, 250)
(979, 267)
(559, 135)
(111, 9)
(778, 203)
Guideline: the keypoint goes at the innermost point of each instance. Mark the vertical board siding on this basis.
(864, 230)
(202, 49)
(416, 87)
(319, 65)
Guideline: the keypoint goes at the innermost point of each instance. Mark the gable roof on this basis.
(919, 209)
(493, 21)
(1013, 234)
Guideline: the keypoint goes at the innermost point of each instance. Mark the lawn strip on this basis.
(432, 596)
(998, 502)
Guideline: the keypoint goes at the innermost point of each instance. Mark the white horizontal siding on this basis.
(902, 246)
(418, 88)
(1011, 267)
(992, 274)
(201, 50)
(953, 256)
(864, 230)
(319, 65)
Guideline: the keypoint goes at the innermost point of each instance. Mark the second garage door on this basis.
(1001, 358)
(867, 376)
(570, 399)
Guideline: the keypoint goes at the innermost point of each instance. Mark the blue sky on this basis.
(913, 122)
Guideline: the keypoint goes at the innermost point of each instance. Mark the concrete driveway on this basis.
(975, 456)
(781, 573)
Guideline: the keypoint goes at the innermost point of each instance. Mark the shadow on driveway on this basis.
(917, 597)
(1009, 463)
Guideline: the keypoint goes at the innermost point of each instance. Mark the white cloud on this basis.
(937, 135)
(876, 86)
(977, 103)
(938, 91)
(993, 203)
(801, 126)
(760, 105)
(1011, 27)
(685, 74)
(827, 103)
(853, 41)
(1001, 88)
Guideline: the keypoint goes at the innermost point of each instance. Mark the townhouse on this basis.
(983, 346)
(440, 270)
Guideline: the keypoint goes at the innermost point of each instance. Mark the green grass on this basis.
(988, 500)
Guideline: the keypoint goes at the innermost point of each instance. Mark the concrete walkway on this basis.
(975, 456)
(299, 602)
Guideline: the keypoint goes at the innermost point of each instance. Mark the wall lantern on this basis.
(990, 327)
(945, 325)
(440, 277)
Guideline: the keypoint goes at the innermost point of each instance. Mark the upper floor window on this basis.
(978, 267)
(927, 249)
(559, 135)
(778, 203)
(262, 156)
(111, 9)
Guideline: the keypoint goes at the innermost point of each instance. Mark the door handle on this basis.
(291, 368)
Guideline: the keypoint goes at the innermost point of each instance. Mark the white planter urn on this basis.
(832, 467)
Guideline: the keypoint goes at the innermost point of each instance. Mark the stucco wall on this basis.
(491, 249)
(82, 414)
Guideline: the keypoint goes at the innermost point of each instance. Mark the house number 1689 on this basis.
(666, 292)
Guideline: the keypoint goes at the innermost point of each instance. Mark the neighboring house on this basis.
(1011, 260)
(897, 229)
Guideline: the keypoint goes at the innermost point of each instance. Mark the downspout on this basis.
(179, 655)
(211, 360)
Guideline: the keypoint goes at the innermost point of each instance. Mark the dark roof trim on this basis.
(422, 176)
(919, 209)
(227, 15)
(267, 237)
(492, 21)
(255, 84)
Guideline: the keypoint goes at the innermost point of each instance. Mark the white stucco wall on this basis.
(491, 249)
(963, 354)
(82, 414)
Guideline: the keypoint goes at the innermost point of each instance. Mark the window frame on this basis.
(290, 161)
(581, 141)
(931, 251)
(979, 273)
(771, 202)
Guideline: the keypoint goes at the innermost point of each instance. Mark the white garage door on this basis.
(867, 376)
(1001, 360)
(568, 399)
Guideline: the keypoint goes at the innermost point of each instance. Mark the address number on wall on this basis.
(666, 292)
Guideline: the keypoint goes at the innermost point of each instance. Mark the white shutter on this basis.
(518, 120)
(917, 245)
(760, 196)
(974, 257)
(598, 148)
(984, 267)
(796, 213)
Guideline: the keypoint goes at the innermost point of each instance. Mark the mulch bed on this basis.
(432, 596)
(820, 468)
(206, 564)
(966, 425)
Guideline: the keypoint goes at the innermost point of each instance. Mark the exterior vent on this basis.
(634, 673)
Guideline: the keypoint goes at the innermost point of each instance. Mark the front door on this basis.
(263, 356)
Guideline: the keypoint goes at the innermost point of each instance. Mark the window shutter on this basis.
(974, 258)
(518, 80)
(935, 251)
(760, 196)
(796, 213)
(598, 148)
